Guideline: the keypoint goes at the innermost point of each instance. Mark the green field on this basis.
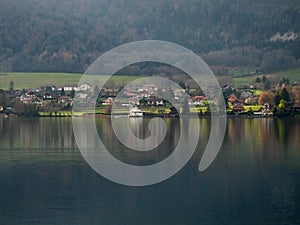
(243, 81)
(293, 75)
(35, 80)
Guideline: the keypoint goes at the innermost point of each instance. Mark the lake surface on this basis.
(255, 178)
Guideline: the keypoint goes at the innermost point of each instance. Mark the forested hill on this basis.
(67, 35)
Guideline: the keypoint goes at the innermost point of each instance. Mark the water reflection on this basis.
(255, 179)
(264, 133)
(139, 127)
(51, 133)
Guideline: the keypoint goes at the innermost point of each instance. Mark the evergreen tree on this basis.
(182, 85)
(285, 95)
(72, 93)
(277, 99)
(11, 86)
(257, 80)
(267, 85)
(49, 89)
(62, 92)
(287, 81)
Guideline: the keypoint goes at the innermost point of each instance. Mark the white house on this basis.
(70, 88)
(30, 99)
(84, 87)
(65, 99)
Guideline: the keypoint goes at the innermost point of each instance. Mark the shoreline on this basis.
(146, 115)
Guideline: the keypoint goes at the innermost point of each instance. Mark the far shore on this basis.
(63, 114)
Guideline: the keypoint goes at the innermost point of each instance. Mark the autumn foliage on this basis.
(265, 97)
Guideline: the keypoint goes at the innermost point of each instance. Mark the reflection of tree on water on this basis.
(264, 134)
(38, 133)
(282, 131)
(173, 135)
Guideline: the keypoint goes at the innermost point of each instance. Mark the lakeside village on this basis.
(283, 99)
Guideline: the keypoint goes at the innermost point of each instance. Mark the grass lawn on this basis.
(59, 113)
(156, 109)
(254, 108)
(257, 92)
(243, 81)
(198, 109)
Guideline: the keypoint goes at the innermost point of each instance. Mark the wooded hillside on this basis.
(67, 35)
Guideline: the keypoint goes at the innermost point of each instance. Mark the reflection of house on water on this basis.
(137, 126)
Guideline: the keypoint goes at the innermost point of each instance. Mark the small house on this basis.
(70, 88)
(84, 87)
(47, 96)
(30, 94)
(108, 101)
(64, 99)
(238, 108)
(296, 107)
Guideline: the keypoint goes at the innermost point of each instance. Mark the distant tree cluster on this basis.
(263, 82)
(282, 99)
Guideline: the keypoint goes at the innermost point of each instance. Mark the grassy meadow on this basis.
(34, 80)
(293, 75)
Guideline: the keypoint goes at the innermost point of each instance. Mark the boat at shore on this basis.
(135, 112)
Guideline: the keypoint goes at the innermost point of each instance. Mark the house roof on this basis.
(199, 98)
(232, 98)
(64, 97)
(30, 93)
(238, 107)
(296, 105)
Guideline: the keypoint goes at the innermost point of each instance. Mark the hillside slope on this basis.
(67, 35)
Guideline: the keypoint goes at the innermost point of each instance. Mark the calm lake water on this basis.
(255, 178)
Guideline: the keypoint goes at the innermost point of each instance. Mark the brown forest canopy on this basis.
(67, 35)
